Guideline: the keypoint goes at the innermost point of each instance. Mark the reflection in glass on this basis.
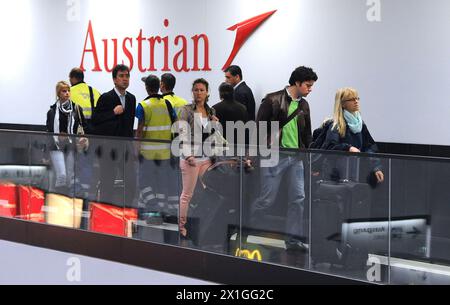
(348, 208)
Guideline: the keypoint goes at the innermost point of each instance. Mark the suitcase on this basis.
(63, 211)
(108, 219)
(335, 203)
(31, 204)
(8, 199)
(212, 212)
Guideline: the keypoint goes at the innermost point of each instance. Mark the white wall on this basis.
(400, 65)
(27, 265)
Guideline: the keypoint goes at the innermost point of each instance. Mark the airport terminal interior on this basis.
(226, 142)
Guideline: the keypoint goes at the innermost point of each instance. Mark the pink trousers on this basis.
(190, 176)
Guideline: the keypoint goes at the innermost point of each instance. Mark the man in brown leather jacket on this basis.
(291, 110)
(275, 106)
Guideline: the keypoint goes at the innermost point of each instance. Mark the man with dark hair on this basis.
(156, 116)
(242, 93)
(114, 116)
(228, 110)
(168, 82)
(83, 95)
(115, 110)
(291, 110)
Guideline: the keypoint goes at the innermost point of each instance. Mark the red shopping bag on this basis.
(113, 220)
(8, 199)
(31, 203)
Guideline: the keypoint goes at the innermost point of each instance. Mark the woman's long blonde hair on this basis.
(342, 95)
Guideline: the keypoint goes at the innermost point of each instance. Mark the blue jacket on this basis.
(362, 140)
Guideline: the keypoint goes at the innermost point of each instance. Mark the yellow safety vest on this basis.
(177, 102)
(80, 95)
(157, 126)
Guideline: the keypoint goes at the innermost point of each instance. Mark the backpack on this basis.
(320, 134)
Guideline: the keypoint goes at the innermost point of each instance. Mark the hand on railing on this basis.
(82, 144)
(248, 165)
(380, 176)
(354, 149)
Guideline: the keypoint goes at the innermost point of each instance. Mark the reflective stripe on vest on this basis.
(87, 112)
(157, 127)
(155, 146)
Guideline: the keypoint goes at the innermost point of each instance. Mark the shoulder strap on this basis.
(91, 94)
(79, 115)
(172, 113)
(291, 117)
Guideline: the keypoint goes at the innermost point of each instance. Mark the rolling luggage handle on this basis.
(347, 169)
(347, 172)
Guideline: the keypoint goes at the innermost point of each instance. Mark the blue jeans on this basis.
(84, 175)
(293, 169)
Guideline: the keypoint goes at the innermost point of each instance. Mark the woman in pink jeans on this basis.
(198, 116)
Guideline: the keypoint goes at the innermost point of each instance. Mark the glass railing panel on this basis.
(57, 152)
(350, 215)
(275, 210)
(420, 239)
(102, 175)
(17, 196)
(157, 182)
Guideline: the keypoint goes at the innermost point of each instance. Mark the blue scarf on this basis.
(354, 121)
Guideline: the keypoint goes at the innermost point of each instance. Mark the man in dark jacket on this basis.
(115, 110)
(114, 116)
(242, 93)
(291, 110)
(228, 110)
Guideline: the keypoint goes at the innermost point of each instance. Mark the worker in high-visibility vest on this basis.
(83, 95)
(155, 116)
(168, 82)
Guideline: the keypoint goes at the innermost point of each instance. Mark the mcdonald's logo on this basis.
(253, 255)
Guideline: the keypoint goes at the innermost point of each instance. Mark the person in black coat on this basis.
(69, 116)
(242, 93)
(115, 110)
(64, 118)
(114, 116)
(228, 110)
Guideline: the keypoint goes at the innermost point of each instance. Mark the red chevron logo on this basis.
(244, 30)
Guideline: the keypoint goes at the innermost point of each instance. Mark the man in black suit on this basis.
(114, 116)
(115, 110)
(242, 93)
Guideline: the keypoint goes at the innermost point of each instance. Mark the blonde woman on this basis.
(64, 117)
(349, 132)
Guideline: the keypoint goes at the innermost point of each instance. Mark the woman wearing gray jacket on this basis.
(194, 120)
